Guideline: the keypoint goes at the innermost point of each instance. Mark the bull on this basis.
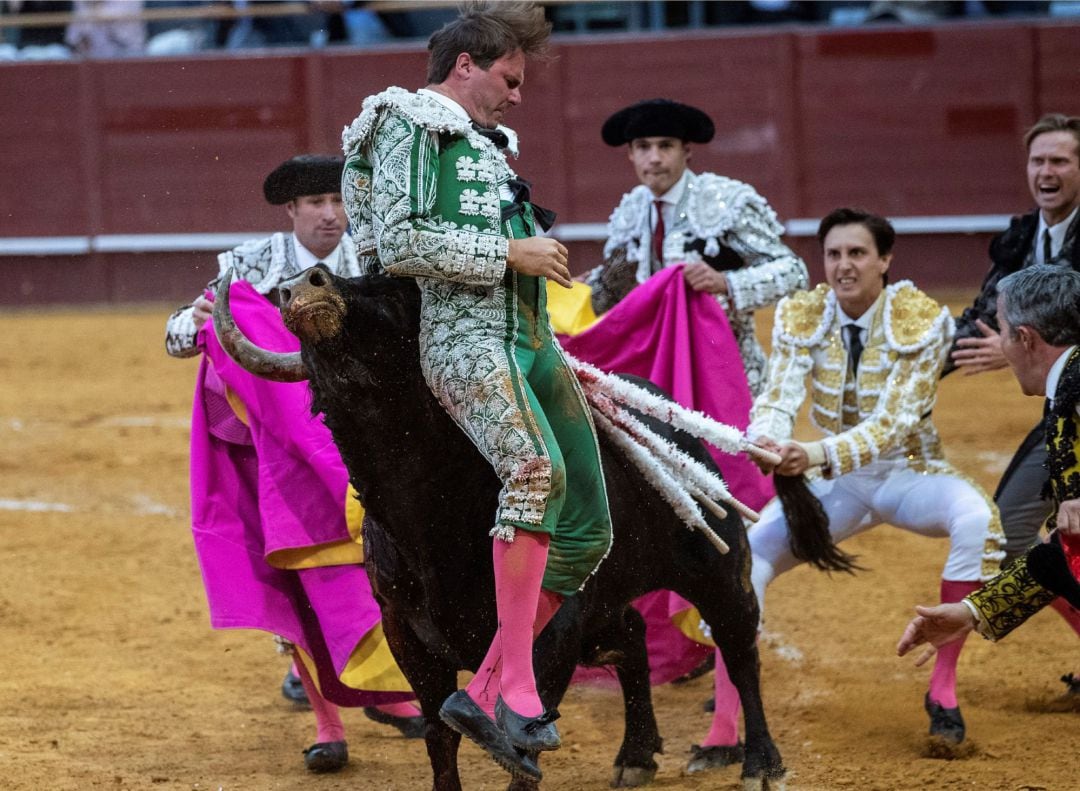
(429, 496)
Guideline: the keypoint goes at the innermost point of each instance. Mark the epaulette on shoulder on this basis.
(420, 110)
(804, 317)
(912, 319)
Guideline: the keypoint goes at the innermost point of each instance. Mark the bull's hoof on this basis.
(326, 757)
(292, 689)
(632, 776)
(946, 725)
(410, 727)
(461, 714)
(533, 734)
(702, 759)
(1067, 702)
(763, 783)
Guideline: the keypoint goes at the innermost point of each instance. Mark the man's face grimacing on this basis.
(489, 93)
(853, 267)
(1053, 172)
(659, 162)
(318, 221)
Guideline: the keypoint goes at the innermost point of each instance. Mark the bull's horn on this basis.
(275, 366)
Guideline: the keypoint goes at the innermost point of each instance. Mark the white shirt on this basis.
(305, 258)
(1054, 375)
(1057, 235)
(669, 200)
(863, 322)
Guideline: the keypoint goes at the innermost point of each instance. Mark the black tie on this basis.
(500, 139)
(1046, 247)
(855, 346)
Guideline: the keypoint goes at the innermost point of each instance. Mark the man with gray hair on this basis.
(1038, 309)
(1046, 235)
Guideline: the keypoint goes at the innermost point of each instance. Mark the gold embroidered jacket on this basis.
(885, 409)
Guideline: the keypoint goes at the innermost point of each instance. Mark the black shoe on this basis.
(292, 688)
(704, 758)
(532, 734)
(461, 713)
(410, 727)
(326, 757)
(945, 723)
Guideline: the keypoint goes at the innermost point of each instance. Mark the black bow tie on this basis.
(522, 192)
(500, 139)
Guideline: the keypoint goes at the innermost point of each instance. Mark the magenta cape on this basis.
(680, 340)
(282, 488)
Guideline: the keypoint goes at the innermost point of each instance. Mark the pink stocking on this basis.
(328, 726)
(485, 684)
(399, 709)
(1069, 613)
(724, 731)
(943, 678)
(519, 570)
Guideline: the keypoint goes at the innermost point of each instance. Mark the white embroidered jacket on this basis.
(714, 210)
(883, 411)
(265, 263)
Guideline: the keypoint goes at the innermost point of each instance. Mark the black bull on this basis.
(430, 498)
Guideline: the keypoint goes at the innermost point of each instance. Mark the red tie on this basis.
(658, 234)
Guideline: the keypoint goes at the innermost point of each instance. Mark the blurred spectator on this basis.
(37, 36)
(180, 36)
(93, 37)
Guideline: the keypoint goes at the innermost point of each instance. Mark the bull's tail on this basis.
(808, 527)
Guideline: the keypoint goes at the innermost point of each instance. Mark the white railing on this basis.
(570, 232)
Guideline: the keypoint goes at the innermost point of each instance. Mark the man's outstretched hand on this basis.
(976, 355)
(936, 626)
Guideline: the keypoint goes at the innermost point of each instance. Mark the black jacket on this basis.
(1009, 252)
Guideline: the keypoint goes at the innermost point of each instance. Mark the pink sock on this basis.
(1068, 612)
(485, 684)
(519, 570)
(724, 730)
(943, 677)
(399, 709)
(328, 725)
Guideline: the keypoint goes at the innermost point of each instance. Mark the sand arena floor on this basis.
(112, 678)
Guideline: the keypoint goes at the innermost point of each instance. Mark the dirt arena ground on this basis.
(112, 678)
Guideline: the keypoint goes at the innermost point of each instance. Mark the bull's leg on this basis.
(735, 632)
(432, 679)
(634, 764)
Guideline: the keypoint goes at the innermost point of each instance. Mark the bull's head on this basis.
(311, 309)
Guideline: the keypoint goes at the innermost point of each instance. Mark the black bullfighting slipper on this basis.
(410, 727)
(292, 688)
(461, 713)
(704, 758)
(944, 723)
(532, 734)
(326, 757)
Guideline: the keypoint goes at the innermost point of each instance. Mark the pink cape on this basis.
(286, 489)
(680, 340)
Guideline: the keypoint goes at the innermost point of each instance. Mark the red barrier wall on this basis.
(905, 121)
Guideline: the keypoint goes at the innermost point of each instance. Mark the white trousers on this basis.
(886, 491)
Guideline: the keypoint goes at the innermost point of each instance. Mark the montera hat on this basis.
(307, 174)
(658, 118)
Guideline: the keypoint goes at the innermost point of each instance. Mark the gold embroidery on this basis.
(913, 315)
(802, 312)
